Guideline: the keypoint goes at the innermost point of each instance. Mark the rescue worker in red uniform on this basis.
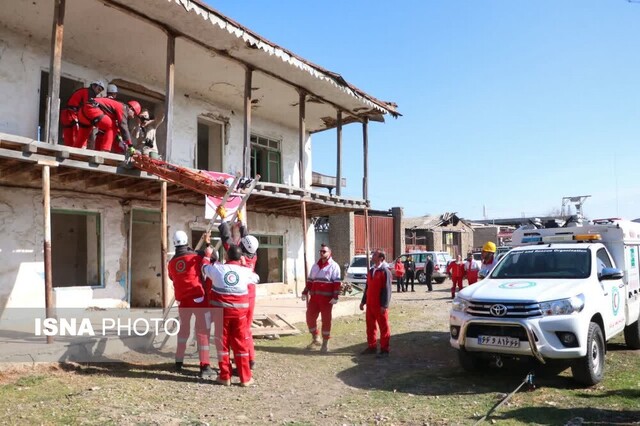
(69, 114)
(111, 118)
(398, 269)
(184, 271)
(249, 247)
(455, 269)
(229, 300)
(471, 269)
(377, 296)
(321, 291)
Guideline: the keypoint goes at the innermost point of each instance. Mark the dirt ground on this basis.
(420, 383)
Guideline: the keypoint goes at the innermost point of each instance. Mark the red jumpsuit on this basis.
(69, 115)
(110, 117)
(323, 284)
(471, 268)
(249, 262)
(456, 271)
(230, 301)
(377, 295)
(184, 271)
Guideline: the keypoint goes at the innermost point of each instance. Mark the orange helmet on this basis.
(135, 106)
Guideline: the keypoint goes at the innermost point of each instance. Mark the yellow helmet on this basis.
(489, 246)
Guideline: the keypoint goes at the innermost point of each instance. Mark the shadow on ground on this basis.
(578, 416)
(423, 363)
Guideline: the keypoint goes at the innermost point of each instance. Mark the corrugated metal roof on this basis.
(272, 49)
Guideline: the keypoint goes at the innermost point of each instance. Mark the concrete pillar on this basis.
(398, 231)
(342, 238)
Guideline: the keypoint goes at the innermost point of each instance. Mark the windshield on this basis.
(359, 262)
(552, 263)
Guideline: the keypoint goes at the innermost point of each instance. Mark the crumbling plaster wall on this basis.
(22, 59)
(21, 258)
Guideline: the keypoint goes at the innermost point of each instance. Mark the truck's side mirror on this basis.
(610, 274)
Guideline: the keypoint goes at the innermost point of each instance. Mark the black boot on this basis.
(206, 372)
(178, 366)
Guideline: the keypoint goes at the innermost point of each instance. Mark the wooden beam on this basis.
(304, 242)
(55, 66)
(224, 53)
(18, 169)
(48, 277)
(163, 245)
(339, 153)
(246, 146)
(365, 150)
(170, 76)
(302, 103)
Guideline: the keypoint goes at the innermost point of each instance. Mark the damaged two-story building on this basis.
(79, 228)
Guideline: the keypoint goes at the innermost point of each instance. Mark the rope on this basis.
(527, 380)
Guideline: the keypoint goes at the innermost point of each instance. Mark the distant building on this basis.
(445, 232)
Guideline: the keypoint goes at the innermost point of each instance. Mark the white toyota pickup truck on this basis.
(562, 294)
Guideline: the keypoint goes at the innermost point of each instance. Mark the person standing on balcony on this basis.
(322, 290)
(111, 118)
(112, 91)
(69, 114)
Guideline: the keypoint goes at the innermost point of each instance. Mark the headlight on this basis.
(563, 306)
(459, 304)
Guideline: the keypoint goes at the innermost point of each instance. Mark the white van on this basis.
(440, 261)
(562, 294)
(357, 270)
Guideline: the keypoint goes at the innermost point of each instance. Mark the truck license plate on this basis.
(509, 342)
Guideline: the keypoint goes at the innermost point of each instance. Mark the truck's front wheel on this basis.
(632, 335)
(468, 360)
(589, 370)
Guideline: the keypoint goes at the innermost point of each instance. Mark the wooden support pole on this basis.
(304, 240)
(366, 237)
(163, 245)
(365, 151)
(170, 92)
(48, 278)
(54, 72)
(246, 141)
(339, 154)
(302, 116)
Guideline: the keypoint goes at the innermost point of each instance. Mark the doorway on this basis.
(210, 146)
(144, 259)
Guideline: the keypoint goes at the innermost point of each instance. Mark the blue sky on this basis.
(507, 104)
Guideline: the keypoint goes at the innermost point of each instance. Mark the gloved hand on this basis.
(240, 216)
(222, 212)
(304, 297)
(333, 301)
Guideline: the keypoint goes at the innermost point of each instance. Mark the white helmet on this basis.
(180, 239)
(249, 244)
(99, 83)
(112, 88)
